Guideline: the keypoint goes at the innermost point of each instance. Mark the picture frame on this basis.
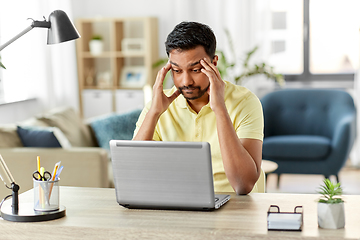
(133, 76)
(132, 45)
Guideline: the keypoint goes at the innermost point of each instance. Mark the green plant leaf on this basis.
(2, 65)
(160, 62)
(97, 37)
(331, 193)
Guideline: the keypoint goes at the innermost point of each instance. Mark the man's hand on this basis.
(217, 86)
(161, 102)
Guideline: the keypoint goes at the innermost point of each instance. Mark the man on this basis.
(203, 107)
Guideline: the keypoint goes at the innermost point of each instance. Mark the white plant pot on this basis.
(331, 216)
(96, 47)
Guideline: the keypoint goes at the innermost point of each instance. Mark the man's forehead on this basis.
(187, 58)
(189, 64)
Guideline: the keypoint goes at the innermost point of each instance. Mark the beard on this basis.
(200, 92)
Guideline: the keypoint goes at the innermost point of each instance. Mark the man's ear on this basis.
(215, 60)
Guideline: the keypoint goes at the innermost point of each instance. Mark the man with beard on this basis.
(203, 107)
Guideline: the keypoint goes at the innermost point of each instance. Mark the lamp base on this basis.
(27, 213)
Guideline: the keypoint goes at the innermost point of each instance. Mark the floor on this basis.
(298, 183)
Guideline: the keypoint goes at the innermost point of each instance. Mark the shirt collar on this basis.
(181, 102)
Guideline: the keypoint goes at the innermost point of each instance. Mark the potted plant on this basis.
(331, 206)
(96, 45)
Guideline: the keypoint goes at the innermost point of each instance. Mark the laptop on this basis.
(164, 175)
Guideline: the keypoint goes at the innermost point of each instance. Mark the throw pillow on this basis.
(50, 137)
(114, 126)
(70, 123)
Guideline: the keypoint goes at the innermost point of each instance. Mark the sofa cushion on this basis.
(9, 137)
(304, 147)
(50, 137)
(33, 121)
(70, 123)
(114, 126)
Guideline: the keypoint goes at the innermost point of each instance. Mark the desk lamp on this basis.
(60, 29)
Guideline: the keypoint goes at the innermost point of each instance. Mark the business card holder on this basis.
(285, 221)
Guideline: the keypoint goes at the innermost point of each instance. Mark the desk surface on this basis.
(93, 213)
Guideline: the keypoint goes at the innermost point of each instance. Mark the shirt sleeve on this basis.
(251, 121)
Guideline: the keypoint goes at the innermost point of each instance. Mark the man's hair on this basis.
(189, 35)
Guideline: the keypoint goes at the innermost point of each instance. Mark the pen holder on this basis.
(46, 195)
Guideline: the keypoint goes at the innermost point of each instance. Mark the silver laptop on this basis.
(164, 175)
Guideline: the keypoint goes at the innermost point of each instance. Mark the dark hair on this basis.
(189, 35)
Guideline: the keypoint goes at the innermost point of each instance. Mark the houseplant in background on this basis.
(1, 65)
(331, 206)
(232, 68)
(96, 45)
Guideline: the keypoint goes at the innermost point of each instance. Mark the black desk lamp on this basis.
(60, 29)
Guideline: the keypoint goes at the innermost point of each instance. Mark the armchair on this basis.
(308, 131)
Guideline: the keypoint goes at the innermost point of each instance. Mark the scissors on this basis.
(45, 177)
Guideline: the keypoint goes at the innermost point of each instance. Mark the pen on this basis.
(54, 177)
(58, 173)
(56, 167)
(40, 190)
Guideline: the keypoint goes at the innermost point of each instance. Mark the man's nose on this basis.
(187, 79)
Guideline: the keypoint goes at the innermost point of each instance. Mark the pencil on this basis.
(38, 163)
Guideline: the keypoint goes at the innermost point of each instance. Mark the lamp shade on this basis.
(61, 29)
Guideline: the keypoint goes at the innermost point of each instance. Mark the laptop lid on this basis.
(167, 175)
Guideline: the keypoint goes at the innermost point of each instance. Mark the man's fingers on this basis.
(209, 66)
(210, 74)
(161, 75)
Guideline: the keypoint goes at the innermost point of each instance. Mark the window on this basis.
(285, 36)
(311, 40)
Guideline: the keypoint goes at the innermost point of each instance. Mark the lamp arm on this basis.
(16, 37)
(41, 24)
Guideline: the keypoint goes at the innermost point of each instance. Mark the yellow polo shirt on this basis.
(180, 123)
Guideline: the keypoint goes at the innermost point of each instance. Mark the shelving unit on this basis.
(115, 79)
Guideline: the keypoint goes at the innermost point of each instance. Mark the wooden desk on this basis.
(93, 213)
